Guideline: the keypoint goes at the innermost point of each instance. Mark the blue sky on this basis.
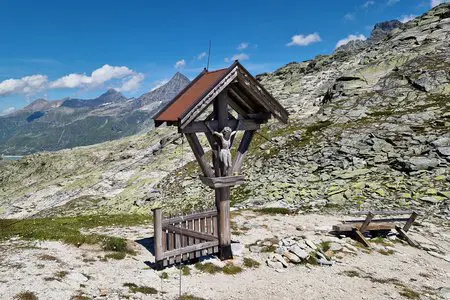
(56, 49)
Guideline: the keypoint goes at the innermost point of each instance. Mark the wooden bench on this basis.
(357, 228)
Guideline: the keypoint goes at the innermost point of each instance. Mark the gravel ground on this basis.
(52, 270)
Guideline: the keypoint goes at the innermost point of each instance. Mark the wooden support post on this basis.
(402, 234)
(158, 234)
(223, 194)
(199, 154)
(359, 237)
(242, 150)
(366, 223)
(410, 221)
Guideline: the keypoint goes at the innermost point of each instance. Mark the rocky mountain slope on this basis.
(369, 128)
(52, 125)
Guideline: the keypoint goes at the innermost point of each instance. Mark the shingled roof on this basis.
(198, 95)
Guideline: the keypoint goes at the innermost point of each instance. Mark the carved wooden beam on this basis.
(244, 124)
(199, 154)
(242, 150)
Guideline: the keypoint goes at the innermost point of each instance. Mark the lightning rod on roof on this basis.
(209, 55)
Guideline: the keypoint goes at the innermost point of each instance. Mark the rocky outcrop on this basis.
(368, 130)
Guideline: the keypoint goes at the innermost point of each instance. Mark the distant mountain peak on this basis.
(111, 95)
(156, 98)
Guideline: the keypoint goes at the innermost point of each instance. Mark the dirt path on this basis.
(52, 270)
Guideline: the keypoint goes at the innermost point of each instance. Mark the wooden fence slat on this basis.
(164, 240)
(197, 241)
(214, 224)
(191, 239)
(171, 241)
(184, 240)
(208, 225)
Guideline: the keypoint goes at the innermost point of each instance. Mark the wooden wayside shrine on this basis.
(218, 104)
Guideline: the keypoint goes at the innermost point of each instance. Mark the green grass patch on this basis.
(251, 263)
(134, 288)
(325, 246)
(116, 255)
(381, 241)
(211, 268)
(186, 271)
(386, 252)
(208, 268)
(67, 229)
(231, 269)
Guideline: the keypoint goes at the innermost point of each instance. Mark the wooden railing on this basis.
(184, 237)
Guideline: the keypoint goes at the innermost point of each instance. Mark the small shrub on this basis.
(325, 246)
(186, 271)
(26, 296)
(115, 244)
(61, 274)
(250, 263)
(312, 260)
(134, 288)
(231, 269)
(164, 275)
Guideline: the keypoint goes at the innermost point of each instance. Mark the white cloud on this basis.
(349, 17)
(180, 64)
(437, 2)
(407, 18)
(302, 40)
(97, 78)
(351, 37)
(242, 46)
(240, 56)
(392, 2)
(24, 85)
(201, 55)
(7, 110)
(368, 3)
(131, 84)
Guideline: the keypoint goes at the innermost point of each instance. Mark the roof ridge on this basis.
(218, 70)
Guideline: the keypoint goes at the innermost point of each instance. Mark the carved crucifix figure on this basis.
(225, 145)
(224, 153)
